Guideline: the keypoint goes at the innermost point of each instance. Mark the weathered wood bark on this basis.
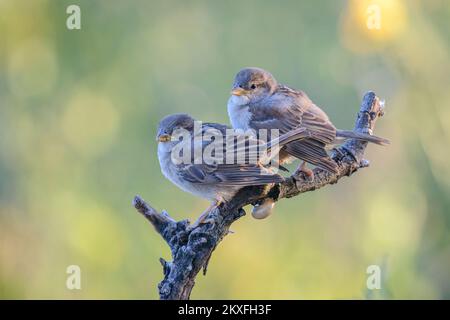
(192, 249)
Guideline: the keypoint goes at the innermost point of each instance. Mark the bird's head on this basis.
(169, 124)
(253, 84)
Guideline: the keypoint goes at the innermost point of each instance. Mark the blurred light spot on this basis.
(32, 68)
(355, 32)
(90, 123)
(52, 155)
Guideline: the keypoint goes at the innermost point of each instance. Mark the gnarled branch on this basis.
(192, 248)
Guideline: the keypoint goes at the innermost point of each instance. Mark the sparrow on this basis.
(258, 101)
(220, 180)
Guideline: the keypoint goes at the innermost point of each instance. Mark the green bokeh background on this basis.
(79, 109)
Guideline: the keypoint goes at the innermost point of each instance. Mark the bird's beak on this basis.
(164, 138)
(238, 92)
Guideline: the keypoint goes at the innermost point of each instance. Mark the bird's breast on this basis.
(170, 171)
(238, 113)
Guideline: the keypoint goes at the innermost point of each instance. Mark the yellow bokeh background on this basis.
(78, 115)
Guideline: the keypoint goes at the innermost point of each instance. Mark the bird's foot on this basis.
(201, 220)
(203, 217)
(305, 172)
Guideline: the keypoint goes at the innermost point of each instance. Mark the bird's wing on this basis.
(275, 115)
(222, 173)
(229, 174)
(289, 109)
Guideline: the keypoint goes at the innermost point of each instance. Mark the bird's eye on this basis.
(253, 86)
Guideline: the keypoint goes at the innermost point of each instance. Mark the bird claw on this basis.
(304, 172)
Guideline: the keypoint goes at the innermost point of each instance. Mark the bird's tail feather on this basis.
(347, 134)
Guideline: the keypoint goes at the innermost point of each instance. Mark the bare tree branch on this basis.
(192, 249)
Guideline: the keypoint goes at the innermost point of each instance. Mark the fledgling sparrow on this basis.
(258, 102)
(218, 181)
